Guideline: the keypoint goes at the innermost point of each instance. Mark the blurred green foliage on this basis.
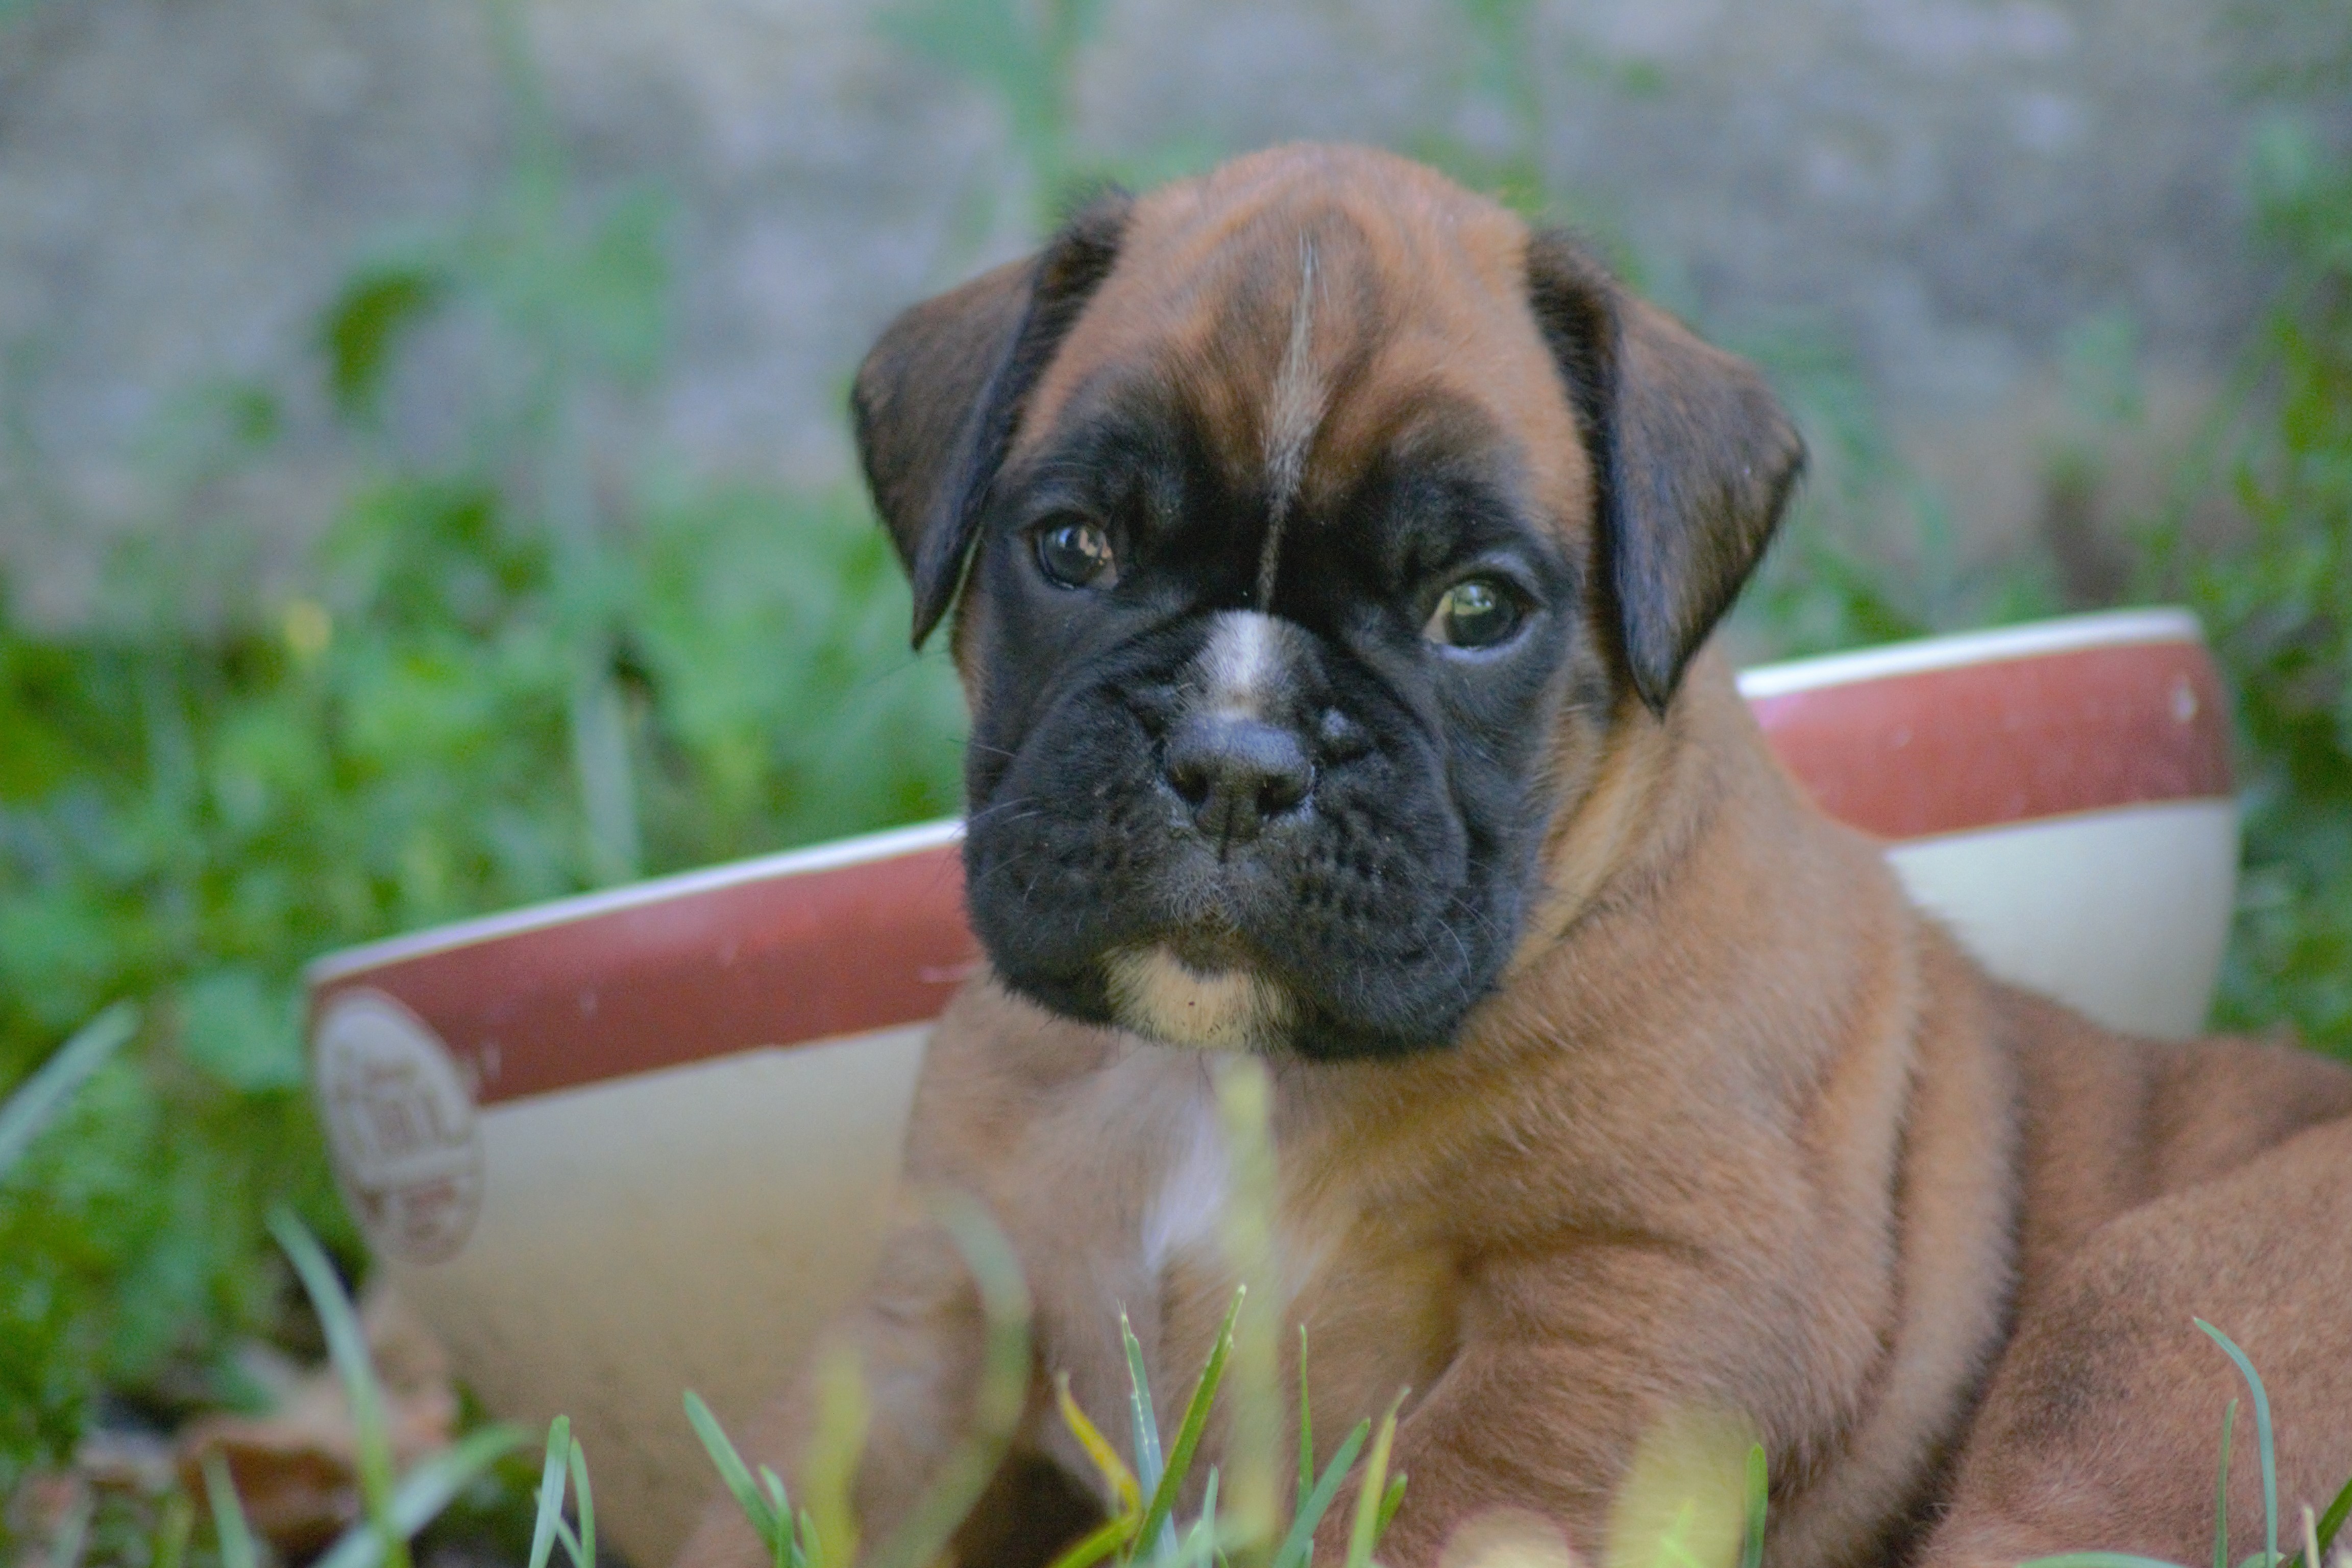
(538, 660)
(2274, 586)
(526, 668)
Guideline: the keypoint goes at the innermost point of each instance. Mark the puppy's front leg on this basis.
(919, 1337)
(1518, 1428)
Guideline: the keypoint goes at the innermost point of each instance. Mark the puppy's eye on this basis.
(1074, 555)
(1479, 612)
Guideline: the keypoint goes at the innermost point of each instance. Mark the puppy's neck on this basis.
(1691, 864)
(1655, 784)
(1686, 863)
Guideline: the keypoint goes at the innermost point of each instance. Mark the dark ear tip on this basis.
(1656, 672)
(930, 608)
(1098, 204)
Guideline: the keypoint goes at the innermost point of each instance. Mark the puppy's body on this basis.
(1707, 1116)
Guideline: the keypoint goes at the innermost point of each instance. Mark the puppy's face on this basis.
(1292, 607)
(1258, 763)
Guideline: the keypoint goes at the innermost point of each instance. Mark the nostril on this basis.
(1189, 778)
(1283, 792)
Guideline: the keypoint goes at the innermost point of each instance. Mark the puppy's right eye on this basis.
(1478, 612)
(1075, 554)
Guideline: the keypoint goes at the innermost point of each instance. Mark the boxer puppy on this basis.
(1333, 561)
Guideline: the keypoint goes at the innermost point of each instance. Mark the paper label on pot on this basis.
(400, 1122)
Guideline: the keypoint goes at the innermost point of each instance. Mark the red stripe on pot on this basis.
(777, 960)
(773, 961)
(1982, 745)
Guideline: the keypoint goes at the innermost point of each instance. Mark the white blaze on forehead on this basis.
(1294, 412)
(1155, 993)
(1241, 666)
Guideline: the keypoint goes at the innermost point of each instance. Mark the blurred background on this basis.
(425, 485)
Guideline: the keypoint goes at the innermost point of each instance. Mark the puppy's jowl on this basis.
(1331, 562)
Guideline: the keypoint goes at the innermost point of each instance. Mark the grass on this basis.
(2318, 1532)
(1145, 1526)
(37, 1103)
(394, 1507)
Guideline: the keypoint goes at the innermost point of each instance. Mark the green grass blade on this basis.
(347, 1349)
(1759, 1500)
(2262, 1438)
(586, 1501)
(733, 1471)
(1373, 1489)
(1200, 1542)
(172, 1529)
(2330, 1523)
(236, 1537)
(52, 1085)
(1299, 1543)
(1143, 1422)
(790, 1546)
(2222, 1490)
(1158, 1531)
(1095, 1545)
(73, 1531)
(829, 1463)
(1390, 1501)
(1117, 1477)
(1253, 1434)
(421, 1496)
(1006, 1366)
(550, 1492)
(1305, 1432)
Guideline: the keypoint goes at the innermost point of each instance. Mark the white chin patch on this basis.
(1157, 994)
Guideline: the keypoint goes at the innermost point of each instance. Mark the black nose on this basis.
(1236, 773)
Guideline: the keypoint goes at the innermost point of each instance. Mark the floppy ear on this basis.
(1692, 455)
(939, 398)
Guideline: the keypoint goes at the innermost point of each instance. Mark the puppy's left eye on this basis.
(1074, 555)
(1478, 612)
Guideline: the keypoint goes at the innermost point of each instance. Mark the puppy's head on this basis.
(1314, 523)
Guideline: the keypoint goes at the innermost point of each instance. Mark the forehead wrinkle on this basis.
(1460, 358)
(1295, 408)
(1141, 456)
(1454, 477)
